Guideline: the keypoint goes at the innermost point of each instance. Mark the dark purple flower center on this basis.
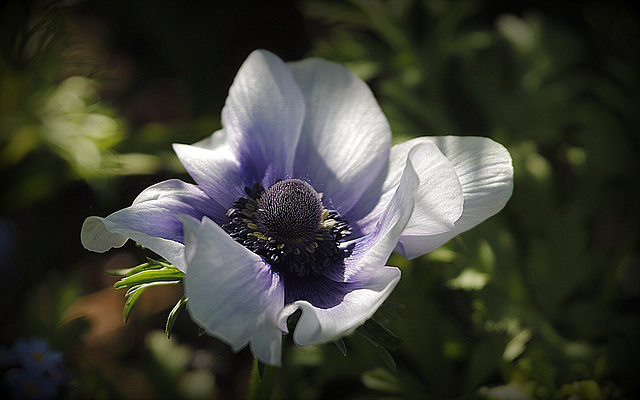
(290, 210)
(289, 227)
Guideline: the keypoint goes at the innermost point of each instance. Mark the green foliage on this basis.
(52, 130)
(149, 274)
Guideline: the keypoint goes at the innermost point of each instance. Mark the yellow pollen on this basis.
(37, 356)
(324, 215)
(328, 224)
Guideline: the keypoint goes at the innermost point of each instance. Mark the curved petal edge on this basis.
(485, 171)
(317, 325)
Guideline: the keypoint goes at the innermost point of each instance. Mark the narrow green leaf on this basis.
(380, 334)
(118, 272)
(383, 353)
(387, 358)
(160, 263)
(261, 367)
(150, 264)
(150, 284)
(131, 299)
(134, 293)
(371, 332)
(148, 276)
(174, 314)
(341, 346)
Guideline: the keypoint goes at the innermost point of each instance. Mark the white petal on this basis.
(232, 293)
(439, 199)
(216, 172)
(318, 325)
(263, 115)
(152, 221)
(96, 237)
(213, 141)
(485, 171)
(345, 138)
(364, 268)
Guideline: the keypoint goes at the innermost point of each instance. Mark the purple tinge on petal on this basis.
(217, 173)
(152, 220)
(262, 117)
(319, 290)
(320, 325)
(155, 211)
(232, 293)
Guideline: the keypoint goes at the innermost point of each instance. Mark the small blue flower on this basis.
(300, 199)
(25, 383)
(34, 371)
(34, 354)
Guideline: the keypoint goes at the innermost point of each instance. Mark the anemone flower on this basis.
(298, 203)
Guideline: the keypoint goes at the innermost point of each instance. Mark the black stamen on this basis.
(288, 226)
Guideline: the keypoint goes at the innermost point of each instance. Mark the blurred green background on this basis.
(539, 302)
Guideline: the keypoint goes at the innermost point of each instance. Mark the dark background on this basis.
(540, 300)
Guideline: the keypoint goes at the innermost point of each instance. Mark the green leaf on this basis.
(261, 367)
(135, 291)
(119, 272)
(132, 289)
(150, 264)
(385, 355)
(131, 299)
(379, 334)
(341, 346)
(174, 314)
(149, 276)
(381, 338)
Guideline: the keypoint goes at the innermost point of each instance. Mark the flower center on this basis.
(289, 227)
(290, 210)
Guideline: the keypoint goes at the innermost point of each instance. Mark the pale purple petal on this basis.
(345, 139)
(370, 281)
(232, 293)
(217, 172)
(262, 117)
(152, 221)
(485, 171)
